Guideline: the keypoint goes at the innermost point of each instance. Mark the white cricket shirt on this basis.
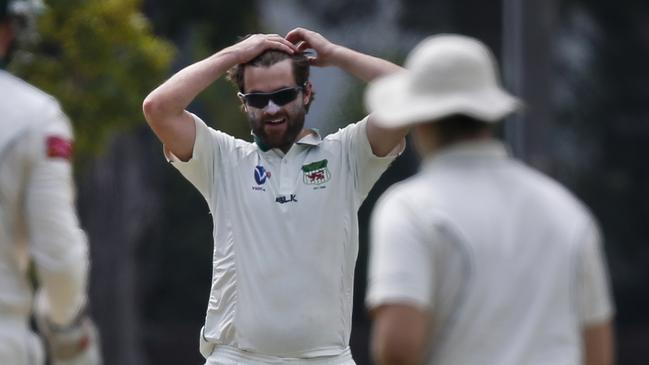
(506, 260)
(285, 238)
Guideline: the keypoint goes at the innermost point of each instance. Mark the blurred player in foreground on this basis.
(478, 259)
(37, 218)
(285, 206)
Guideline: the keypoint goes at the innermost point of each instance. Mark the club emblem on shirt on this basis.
(316, 173)
(261, 175)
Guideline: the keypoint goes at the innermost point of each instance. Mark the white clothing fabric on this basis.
(506, 260)
(285, 238)
(18, 344)
(37, 214)
(225, 355)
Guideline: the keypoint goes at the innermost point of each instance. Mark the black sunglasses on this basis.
(279, 97)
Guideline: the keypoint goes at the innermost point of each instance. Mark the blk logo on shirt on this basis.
(261, 175)
(283, 199)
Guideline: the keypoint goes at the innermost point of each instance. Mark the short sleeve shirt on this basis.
(508, 262)
(285, 237)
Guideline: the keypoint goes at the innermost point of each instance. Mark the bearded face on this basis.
(278, 119)
(275, 126)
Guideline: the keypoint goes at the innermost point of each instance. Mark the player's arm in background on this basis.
(58, 245)
(399, 334)
(364, 67)
(164, 108)
(599, 344)
(401, 283)
(595, 306)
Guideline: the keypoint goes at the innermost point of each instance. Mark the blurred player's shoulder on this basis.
(414, 192)
(550, 193)
(25, 100)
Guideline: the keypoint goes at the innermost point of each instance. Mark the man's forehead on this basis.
(268, 78)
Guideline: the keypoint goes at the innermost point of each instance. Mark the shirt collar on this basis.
(312, 139)
(490, 149)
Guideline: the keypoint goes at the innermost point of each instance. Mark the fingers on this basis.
(253, 46)
(296, 35)
(307, 39)
(303, 46)
(303, 40)
(276, 41)
(297, 40)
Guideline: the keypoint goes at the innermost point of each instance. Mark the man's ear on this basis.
(306, 98)
(244, 107)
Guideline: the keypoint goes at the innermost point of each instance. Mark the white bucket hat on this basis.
(445, 75)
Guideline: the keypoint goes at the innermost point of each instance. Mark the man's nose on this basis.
(271, 108)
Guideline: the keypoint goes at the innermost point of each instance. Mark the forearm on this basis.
(172, 97)
(164, 108)
(598, 342)
(58, 245)
(65, 288)
(360, 65)
(399, 334)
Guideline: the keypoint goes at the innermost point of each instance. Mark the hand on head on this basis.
(297, 40)
(252, 46)
(306, 39)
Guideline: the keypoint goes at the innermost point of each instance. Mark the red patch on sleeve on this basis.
(59, 147)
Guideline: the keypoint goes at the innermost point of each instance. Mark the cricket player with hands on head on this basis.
(478, 259)
(38, 220)
(284, 206)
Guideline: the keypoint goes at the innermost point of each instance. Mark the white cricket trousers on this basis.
(18, 344)
(226, 355)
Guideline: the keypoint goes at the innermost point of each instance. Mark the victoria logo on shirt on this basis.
(261, 175)
(316, 173)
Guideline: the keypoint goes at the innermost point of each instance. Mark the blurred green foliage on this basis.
(100, 58)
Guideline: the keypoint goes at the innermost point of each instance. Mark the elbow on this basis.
(157, 108)
(159, 111)
(151, 108)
